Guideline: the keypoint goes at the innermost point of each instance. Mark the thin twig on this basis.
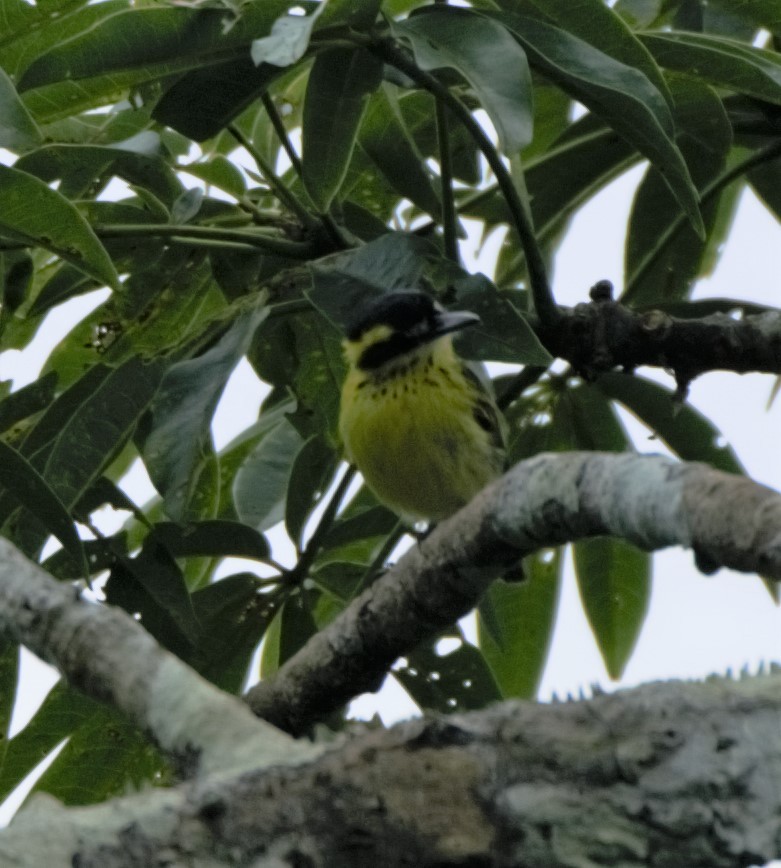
(544, 302)
(206, 234)
(274, 181)
(449, 227)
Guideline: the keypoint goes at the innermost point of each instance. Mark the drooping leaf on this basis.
(341, 281)
(444, 680)
(614, 579)
(386, 140)
(212, 538)
(292, 626)
(340, 83)
(261, 483)
(27, 401)
(660, 266)
(515, 624)
(310, 475)
(725, 62)
(152, 588)
(205, 100)
(31, 490)
(599, 25)
(686, 431)
(233, 616)
(622, 95)
(97, 428)
(487, 56)
(18, 131)
(182, 410)
(31, 211)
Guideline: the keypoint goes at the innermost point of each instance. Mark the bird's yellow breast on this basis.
(411, 429)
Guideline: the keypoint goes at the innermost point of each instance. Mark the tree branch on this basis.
(666, 774)
(603, 335)
(651, 501)
(101, 651)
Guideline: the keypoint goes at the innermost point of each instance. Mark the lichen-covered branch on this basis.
(666, 774)
(604, 335)
(101, 651)
(651, 501)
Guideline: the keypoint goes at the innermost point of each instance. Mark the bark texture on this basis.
(667, 775)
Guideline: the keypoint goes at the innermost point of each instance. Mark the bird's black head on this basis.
(396, 323)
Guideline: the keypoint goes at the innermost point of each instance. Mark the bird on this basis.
(419, 423)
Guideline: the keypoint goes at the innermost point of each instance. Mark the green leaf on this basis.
(152, 588)
(764, 13)
(31, 30)
(220, 172)
(97, 428)
(32, 491)
(310, 476)
(503, 334)
(725, 62)
(62, 711)
(80, 167)
(443, 680)
(153, 42)
(181, 414)
(106, 756)
(340, 83)
(212, 538)
(261, 483)
(386, 140)
(204, 101)
(343, 280)
(288, 632)
(16, 276)
(591, 420)
(685, 431)
(27, 401)
(515, 624)
(622, 95)
(18, 131)
(487, 56)
(766, 182)
(658, 265)
(600, 26)
(31, 211)
(614, 580)
(233, 616)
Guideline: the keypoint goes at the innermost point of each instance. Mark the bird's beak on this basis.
(448, 321)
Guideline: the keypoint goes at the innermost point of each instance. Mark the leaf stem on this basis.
(311, 549)
(252, 240)
(716, 186)
(279, 129)
(449, 227)
(544, 302)
(274, 181)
